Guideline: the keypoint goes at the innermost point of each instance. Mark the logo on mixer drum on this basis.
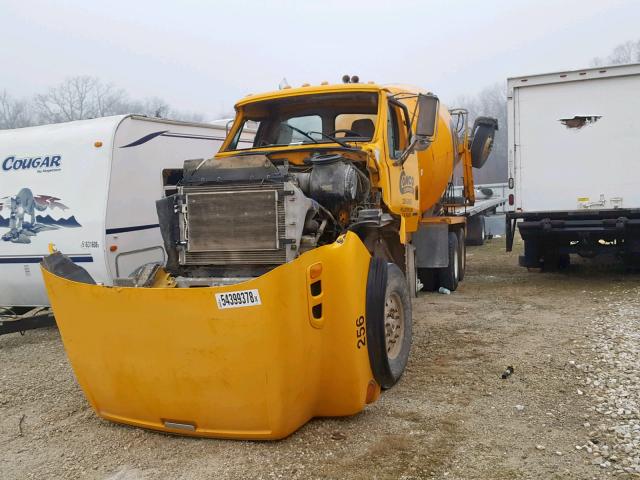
(406, 183)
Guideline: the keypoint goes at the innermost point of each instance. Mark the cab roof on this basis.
(334, 88)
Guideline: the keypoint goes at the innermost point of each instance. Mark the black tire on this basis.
(553, 261)
(448, 276)
(388, 297)
(429, 279)
(550, 262)
(483, 134)
(476, 230)
(462, 254)
(564, 261)
(531, 257)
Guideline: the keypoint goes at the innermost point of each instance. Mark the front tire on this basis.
(389, 323)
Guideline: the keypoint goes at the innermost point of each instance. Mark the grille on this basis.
(234, 225)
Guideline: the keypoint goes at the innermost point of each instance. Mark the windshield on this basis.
(308, 119)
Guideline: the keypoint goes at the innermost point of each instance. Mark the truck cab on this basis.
(291, 264)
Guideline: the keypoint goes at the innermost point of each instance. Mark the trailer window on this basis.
(171, 177)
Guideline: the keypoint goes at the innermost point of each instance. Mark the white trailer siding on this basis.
(98, 193)
(141, 151)
(79, 184)
(556, 162)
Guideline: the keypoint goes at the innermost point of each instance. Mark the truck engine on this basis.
(238, 217)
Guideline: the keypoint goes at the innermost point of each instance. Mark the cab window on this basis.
(397, 130)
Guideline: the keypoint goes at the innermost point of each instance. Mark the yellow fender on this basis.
(170, 359)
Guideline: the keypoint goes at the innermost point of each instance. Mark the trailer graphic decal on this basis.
(19, 214)
(44, 164)
(167, 133)
(23, 259)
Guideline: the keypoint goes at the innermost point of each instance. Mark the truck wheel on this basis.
(389, 325)
(462, 254)
(449, 276)
(475, 230)
(429, 279)
(564, 261)
(484, 130)
(553, 261)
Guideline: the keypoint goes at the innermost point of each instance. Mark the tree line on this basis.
(83, 97)
(492, 102)
(80, 98)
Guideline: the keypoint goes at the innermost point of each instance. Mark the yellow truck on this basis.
(291, 264)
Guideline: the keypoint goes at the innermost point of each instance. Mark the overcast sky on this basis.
(204, 55)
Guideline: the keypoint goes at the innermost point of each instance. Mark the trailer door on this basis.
(577, 142)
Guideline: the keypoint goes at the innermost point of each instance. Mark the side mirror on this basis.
(429, 106)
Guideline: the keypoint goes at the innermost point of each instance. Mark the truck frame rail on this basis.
(553, 235)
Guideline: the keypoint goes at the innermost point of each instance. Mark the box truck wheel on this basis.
(553, 261)
(389, 326)
(564, 261)
(475, 230)
(448, 276)
(462, 253)
(429, 279)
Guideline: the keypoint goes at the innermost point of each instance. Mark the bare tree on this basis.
(491, 102)
(79, 98)
(159, 108)
(628, 52)
(14, 113)
(151, 107)
(83, 97)
(187, 116)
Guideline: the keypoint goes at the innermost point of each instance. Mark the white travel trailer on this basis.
(88, 189)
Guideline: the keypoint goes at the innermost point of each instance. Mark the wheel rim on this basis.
(455, 264)
(393, 325)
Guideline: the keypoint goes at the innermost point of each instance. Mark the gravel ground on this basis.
(612, 382)
(569, 410)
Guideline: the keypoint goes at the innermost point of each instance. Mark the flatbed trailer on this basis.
(477, 213)
(482, 207)
(551, 236)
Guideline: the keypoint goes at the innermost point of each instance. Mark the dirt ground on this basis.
(451, 416)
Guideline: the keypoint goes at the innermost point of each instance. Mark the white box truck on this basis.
(88, 189)
(574, 164)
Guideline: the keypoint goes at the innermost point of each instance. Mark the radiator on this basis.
(235, 224)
